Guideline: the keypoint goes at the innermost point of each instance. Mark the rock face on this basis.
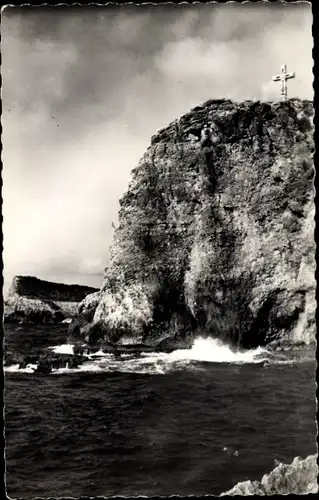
(299, 478)
(31, 300)
(215, 240)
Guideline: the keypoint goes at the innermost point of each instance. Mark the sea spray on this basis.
(207, 350)
(30, 368)
(63, 349)
(215, 351)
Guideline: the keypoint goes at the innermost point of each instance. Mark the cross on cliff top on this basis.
(283, 77)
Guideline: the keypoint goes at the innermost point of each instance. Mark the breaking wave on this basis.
(62, 349)
(15, 369)
(215, 351)
(206, 350)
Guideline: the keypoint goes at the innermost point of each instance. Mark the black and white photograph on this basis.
(159, 289)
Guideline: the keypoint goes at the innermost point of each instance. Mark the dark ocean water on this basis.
(198, 429)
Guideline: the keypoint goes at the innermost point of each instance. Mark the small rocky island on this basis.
(31, 300)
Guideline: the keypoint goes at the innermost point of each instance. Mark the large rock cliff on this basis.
(31, 300)
(218, 238)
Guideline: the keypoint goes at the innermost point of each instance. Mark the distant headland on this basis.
(32, 300)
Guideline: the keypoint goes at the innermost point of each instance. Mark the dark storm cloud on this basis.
(99, 52)
(105, 50)
(85, 88)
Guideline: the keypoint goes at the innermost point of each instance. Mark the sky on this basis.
(85, 88)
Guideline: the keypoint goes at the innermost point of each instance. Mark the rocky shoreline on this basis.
(299, 478)
(47, 360)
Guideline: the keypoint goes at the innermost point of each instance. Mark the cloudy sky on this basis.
(85, 88)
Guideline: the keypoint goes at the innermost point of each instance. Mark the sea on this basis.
(192, 422)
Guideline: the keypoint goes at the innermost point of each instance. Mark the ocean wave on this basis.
(215, 351)
(99, 354)
(63, 349)
(15, 368)
(299, 478)
(204, 350)
(69, 349)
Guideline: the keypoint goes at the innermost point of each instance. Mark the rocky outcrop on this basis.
(31, 300)
(217, 238)
(299, 478)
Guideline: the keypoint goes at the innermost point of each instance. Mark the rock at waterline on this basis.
(300, 478)
(218, 239)
(31, 300)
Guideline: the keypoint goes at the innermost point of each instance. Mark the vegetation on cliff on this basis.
(215, 240)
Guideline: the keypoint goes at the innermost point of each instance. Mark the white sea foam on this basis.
(99, 353)
(207, 350)
(204, 350)
(29, 368)
(85, 367)
(69, 349)
(15, 369)
(11, 368)
(63, 349)
(215, 351)
(67, 321)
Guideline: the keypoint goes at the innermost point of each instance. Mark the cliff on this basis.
(299, 478)
(217, 238)
(37, 301)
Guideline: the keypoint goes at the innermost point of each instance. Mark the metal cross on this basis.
(283, 77)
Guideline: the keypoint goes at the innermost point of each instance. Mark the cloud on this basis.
(245, 55)
(83, 91)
